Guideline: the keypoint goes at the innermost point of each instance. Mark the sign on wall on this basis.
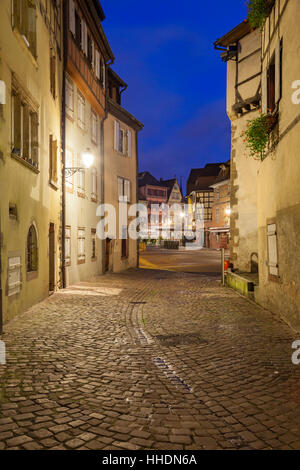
(14, 275)
(2, 92)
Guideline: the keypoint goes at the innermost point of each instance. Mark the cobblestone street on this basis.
(149, 360)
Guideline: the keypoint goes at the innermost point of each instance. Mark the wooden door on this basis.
(51, 257)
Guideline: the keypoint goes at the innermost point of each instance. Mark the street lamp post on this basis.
(87, 160)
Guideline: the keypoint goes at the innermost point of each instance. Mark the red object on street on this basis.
(226, 264)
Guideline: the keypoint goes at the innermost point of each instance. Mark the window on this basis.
(122, 140)
(81, 179)
(272, 250)
(77, 29)
(14, 275)
(52, 160)
(24, 127)
(206, 198)
(53, 74)
(84, 37)
(90, 50)
(81, 110)
(102, 72)
(72, 17)
(94, 244)
(271, 81)
(32, 250)
(94, 127)
(271, 86)
(124, 189)
(68, 246)
(94, 184)
(217, 214)
(81, 245)
(24, 20)
(69, 98)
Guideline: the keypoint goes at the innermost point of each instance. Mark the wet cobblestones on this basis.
(87, 369)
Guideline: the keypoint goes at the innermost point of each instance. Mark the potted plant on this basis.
(256, 136)
(258, 11)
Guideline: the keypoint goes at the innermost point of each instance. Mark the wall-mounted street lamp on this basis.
(87, 159)
(228, 211)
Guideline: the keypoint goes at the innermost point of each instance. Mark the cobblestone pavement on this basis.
(149, 360)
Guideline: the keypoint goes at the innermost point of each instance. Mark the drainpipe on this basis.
(102, 161)
(63, 141)
(137, 191)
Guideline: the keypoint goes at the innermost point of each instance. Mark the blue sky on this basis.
(176, 80)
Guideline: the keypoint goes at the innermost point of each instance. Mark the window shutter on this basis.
(272, 250)
(14, 275)
(127, 189)
(72, 17)
(68, 244)
(16, 14)
(278, 71)
(104, 75)
(264, 92)
(120, 188)
(54, 160)
(117, 135)
(84, 37)
(129, 140)
(97, 58)
(93, 54)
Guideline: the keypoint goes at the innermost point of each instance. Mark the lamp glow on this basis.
(228, 211)
(87, 158)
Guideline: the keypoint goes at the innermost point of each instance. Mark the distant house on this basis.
(158, 192)
(199, 191)
(154, 193)
(219, 231)
(174, 191)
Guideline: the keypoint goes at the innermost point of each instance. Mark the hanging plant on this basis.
(258, 10)
(256, 136)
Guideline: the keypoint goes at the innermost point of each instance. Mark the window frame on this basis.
(32, 254)
(81, 111)
(26, 127)
(69, 97)
(68, 236)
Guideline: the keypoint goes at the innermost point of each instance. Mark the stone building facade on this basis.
(265, 195)
(243, 104)
(30, 152)
(120, 174)
(85, 109)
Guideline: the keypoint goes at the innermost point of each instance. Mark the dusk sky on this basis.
(176, 80)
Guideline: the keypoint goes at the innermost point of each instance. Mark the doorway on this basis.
(51, 258)
(107, 252)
